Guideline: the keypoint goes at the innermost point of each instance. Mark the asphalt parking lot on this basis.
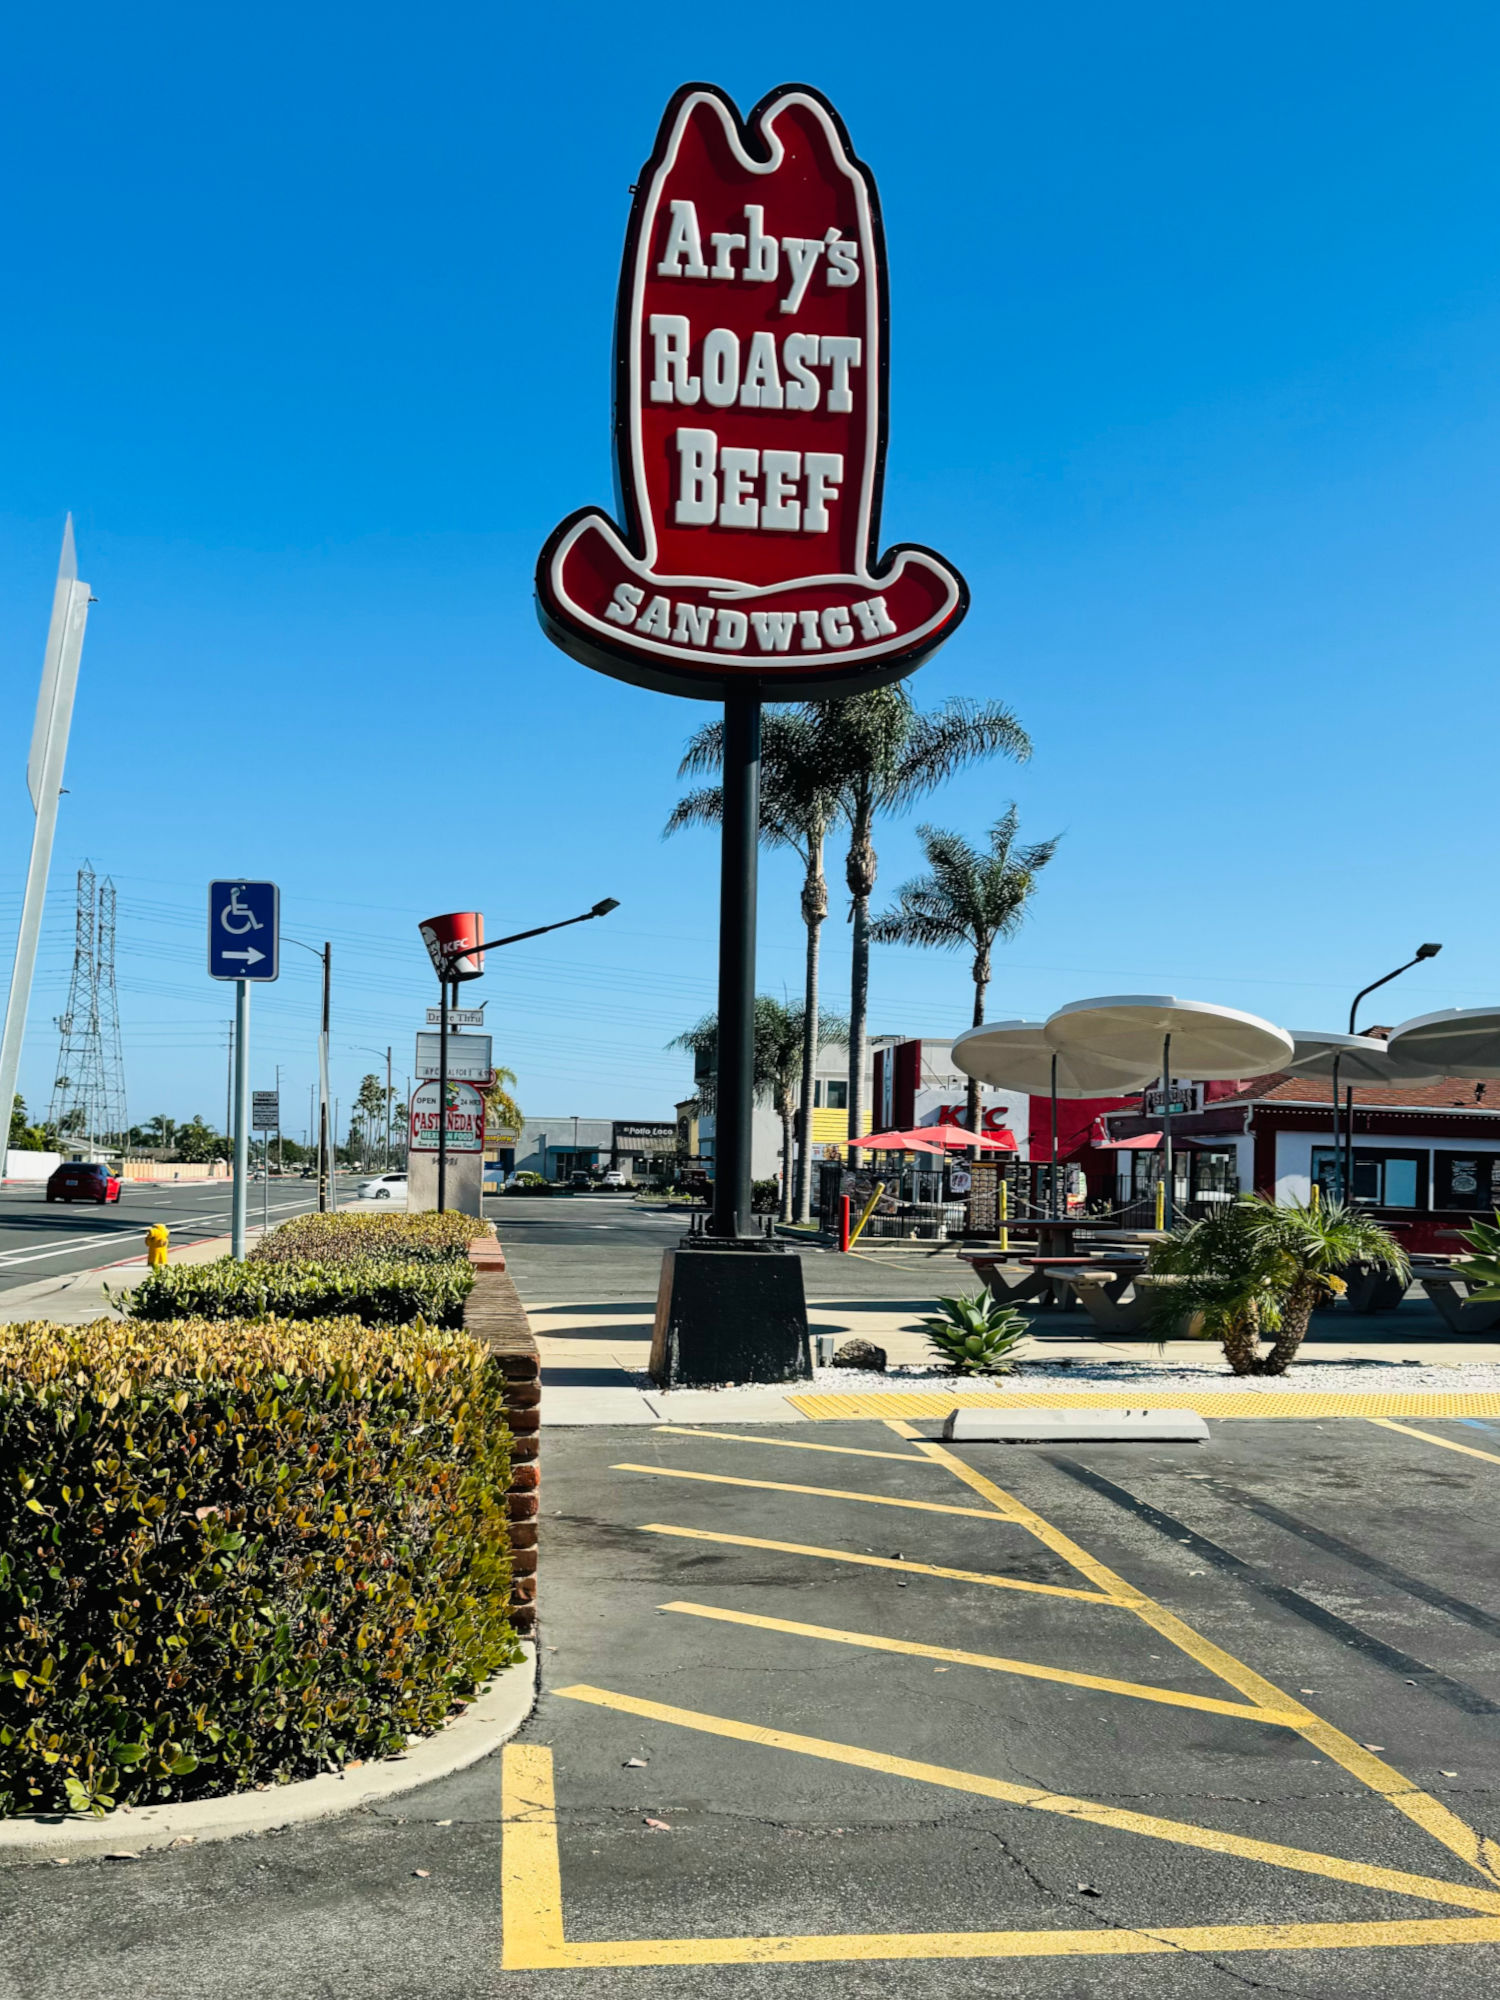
(828, 1707)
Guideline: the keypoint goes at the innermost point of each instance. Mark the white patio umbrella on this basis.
(1195, 1039)
(1359, 1059)
(1016, 1055)
(1459, 1041)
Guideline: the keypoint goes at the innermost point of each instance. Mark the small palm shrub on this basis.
(976, 1334)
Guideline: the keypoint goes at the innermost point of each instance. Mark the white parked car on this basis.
(614, 1178)
(383, 1187)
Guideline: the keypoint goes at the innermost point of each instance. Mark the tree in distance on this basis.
(779, 1044)
(967, 899)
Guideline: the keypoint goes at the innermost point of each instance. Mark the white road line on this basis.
(12, 1259)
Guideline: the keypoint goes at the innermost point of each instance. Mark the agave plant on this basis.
(1483, 1268)
(977, 1334)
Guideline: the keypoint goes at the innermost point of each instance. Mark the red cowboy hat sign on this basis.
(750, 421)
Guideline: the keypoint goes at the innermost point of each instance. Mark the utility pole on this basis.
(44, 775)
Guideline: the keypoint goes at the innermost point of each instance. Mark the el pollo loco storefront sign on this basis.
(750, 415)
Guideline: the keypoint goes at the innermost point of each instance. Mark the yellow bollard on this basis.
(1317, 1197)
(869, 1211)
(1161, 1204)
(1004, 1214)
(157, 1238)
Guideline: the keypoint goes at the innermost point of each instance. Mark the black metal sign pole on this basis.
(737, 881)
(442, 1187)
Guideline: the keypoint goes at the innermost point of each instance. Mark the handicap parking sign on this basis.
(244, 930)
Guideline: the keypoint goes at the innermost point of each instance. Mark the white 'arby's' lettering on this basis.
(757, 379)
(719, 487)
(685, 624)
(763, 257)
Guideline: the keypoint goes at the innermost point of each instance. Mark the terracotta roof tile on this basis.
(1438, 1093)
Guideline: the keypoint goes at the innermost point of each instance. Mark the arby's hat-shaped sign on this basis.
(750, 423)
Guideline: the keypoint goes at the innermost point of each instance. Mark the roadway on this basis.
(39, 1239)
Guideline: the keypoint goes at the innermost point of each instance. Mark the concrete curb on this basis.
(491, 1719)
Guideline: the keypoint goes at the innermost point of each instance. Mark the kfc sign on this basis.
(454, 944)
(750, 415)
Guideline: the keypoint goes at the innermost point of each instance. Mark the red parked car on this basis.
(83, 1180)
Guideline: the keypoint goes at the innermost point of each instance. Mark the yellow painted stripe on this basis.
(784, 1444)
(1026, 1669)
(1429, 1437)
(530, 1874)
(1429, 1813)
(885, 1403)
(818, 1492)
(862, 1947)
(1212, 1840)
(878, 1562)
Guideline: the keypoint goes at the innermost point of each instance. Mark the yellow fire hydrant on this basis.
(157, 1238)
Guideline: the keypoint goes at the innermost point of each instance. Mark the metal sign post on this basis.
(265, 1117)
(244, 944)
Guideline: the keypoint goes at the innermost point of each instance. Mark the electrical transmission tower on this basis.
(88, 1097)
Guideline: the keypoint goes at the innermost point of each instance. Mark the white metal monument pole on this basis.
(44, 775)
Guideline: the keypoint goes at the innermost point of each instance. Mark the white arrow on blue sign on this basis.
(244, 930)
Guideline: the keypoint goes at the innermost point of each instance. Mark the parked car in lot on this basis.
(83, 1180)
(614, 1178)
(382, 1187)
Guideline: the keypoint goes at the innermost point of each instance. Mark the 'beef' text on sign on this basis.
(750, 408)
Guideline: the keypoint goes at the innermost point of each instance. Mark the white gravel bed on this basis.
(1326, 1377)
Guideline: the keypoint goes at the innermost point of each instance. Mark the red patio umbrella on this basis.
(897, 1142)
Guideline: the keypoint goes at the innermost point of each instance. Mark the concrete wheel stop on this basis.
(1063, 1426)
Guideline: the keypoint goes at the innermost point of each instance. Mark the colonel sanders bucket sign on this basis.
(750, 419)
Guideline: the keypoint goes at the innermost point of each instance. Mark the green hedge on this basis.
(380, 1291)
(336, 1239)
(237, 1554)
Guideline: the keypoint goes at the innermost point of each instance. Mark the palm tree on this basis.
(882, 754)
(798, 805)
(1258, 1267)
(501, 1106)
(965, 901)
(778, 1066)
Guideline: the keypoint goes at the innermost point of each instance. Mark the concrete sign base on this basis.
(731, 1313)
(465, 1182)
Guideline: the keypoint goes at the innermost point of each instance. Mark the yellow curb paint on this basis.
(877, 1562)
(786, 1444)
(1429, 1813)
(1181, 1833)
(886, 1403)
(531, 1875)
(1429, 1437)
(1026, 1669)
(818, 1492)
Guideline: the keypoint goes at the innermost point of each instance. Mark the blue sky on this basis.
(1196, 345)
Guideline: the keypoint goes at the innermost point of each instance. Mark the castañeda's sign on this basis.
(750, 420)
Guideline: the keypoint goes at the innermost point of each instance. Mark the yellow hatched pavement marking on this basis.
(818, 1492)
(884, 1403)
(1430, 1437)
(1182, 1833)
(877, 1562)
(785, 1444)
(1027, 1669)
(534, 1939)
(1429, 1813)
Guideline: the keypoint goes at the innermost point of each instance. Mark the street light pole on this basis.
(1347, 1178)
(324, 1156)
(738, 855)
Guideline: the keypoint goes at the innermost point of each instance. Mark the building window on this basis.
(836, 1094)
(1466, 1180)
(1381, 1180)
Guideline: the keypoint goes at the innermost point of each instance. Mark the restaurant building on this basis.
(1426, 1154)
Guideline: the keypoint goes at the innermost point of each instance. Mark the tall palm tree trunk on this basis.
(1296, 1314)
(814, 910)
(981, 987)
(787, 1128)
(859, 872)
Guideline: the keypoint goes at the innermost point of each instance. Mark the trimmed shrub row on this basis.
(338, 1239)
(238, 1553)
(379, 1291)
